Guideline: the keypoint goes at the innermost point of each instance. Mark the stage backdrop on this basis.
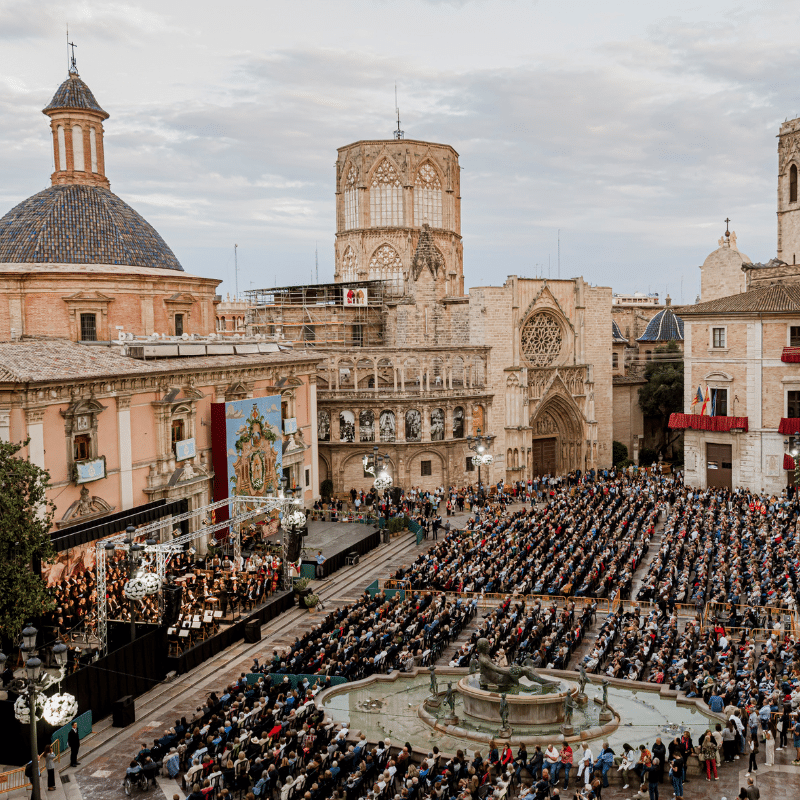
(246, 444)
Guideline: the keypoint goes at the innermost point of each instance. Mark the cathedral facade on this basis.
(528, 362)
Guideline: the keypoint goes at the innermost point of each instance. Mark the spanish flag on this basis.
(706, 401)
(696, 400)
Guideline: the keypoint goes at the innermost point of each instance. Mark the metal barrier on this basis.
(15, 778)
(716, 609)
(84, 729)
(294, 680)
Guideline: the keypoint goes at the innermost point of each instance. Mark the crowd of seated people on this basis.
(378, 634)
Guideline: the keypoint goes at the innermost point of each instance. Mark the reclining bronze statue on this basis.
(494, 677)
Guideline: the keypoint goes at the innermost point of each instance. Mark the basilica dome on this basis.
(77, 224)
(79, 220)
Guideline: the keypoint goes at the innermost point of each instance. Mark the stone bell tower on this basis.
(788, 205)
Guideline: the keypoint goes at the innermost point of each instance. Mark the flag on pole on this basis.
(697, 400)
(713, 402)
(706, 400)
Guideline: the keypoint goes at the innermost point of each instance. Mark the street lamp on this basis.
(140, 581)
(377, 466)
(58, 710)
(480, 446)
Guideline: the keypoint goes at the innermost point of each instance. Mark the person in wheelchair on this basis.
(150, 769)
(134, 776)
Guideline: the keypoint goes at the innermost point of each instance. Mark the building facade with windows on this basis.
(114, 425)
(742, 351)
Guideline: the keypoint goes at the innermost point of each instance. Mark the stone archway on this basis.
(557, 444)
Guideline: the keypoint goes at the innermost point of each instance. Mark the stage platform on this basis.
(336, 540)
(202, 651)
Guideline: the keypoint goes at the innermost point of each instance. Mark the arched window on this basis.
(793, 183)
(413, 425)
(62, 149)
(347, 426)
(349, 269)
(458, 422)
(77, 149)
(386, 425)
(615, 360)
(648, 354)
(386, 265)
(428, 197)
(437, 425)
(366, 426)
(93, 148)
(351, 216)
(386, 196)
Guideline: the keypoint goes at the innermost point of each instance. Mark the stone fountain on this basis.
(517, 697)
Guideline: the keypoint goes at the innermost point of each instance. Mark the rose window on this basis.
(541, 340)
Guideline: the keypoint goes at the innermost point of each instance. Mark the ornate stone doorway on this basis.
(543, 456)
(557, 437)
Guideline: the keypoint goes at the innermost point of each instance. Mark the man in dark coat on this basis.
(74, 742)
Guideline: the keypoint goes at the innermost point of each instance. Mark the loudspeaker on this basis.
(396, 493)
(173, 595)
(252, 632)
(123, 712)
(292, 545)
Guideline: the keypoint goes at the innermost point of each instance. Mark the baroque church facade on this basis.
(528, 362)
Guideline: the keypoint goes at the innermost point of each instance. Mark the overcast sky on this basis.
(634, 127)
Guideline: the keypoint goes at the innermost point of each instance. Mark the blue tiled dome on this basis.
(616, 333)
(74, 93)
(665, 326)
(77, 224)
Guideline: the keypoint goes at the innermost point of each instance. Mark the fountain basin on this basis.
(524, 707)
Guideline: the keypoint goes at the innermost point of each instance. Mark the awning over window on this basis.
(791, 355)
(788, 462)
(700, 422)
(789, 426)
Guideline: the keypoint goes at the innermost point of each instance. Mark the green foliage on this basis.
(662, 395)
(326, 488)
(647, 456)
(619, 452)
(311, 600)
(24, 540)
(396, 524)
(301, 583)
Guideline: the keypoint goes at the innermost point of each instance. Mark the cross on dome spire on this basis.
(72, 69)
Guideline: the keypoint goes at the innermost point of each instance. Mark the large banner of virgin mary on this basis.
(251, 448)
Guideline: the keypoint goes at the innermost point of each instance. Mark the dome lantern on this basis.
(76, 120)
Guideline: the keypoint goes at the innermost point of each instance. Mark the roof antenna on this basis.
(398, 134)
(73, 66)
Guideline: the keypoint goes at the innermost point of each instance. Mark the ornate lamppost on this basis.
(480, 446)
(140, 582)
(376, 464)
(32, 705)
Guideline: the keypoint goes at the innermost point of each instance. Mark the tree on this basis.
(619, 452)
(25, 518)
(662, 395)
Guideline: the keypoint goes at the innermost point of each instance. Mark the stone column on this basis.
(125, 452)
(312, 413)
(34, 418)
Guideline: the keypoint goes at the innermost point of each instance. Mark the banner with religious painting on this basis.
(354, 296)
(246, 443)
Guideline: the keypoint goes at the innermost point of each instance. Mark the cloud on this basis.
(636, 147)
(234, 413)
